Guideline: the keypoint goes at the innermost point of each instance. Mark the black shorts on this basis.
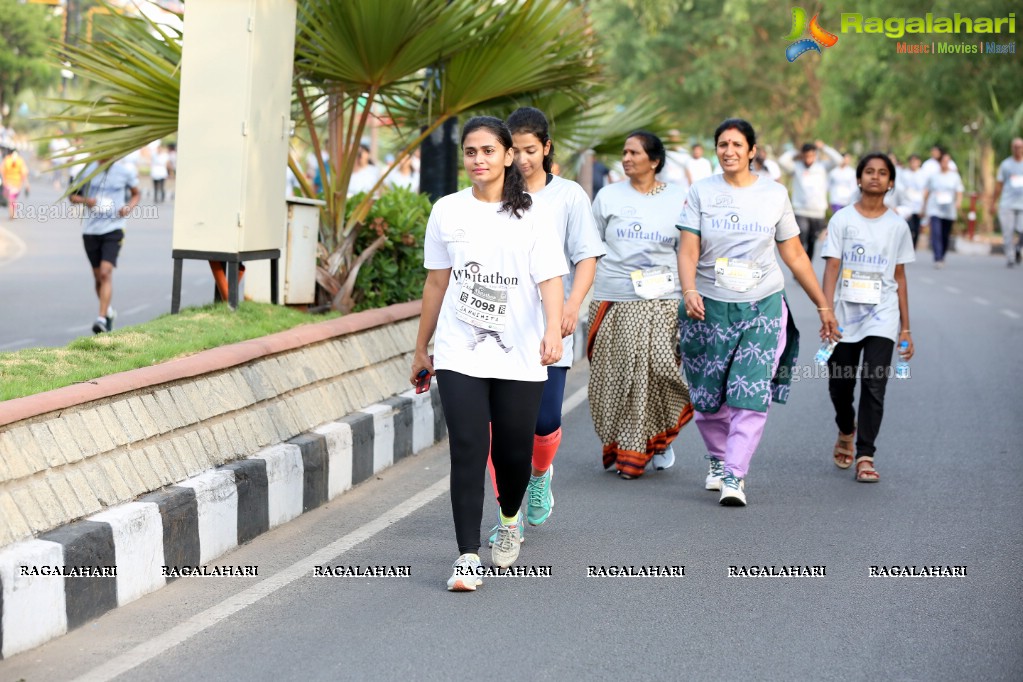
(103, 247)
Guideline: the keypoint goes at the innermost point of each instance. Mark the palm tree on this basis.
(415, 63)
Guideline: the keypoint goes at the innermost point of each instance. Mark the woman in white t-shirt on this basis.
(491, 255)
(943, 195)
(866, 251)
(738, 339)
(576, 231)
(638, 400)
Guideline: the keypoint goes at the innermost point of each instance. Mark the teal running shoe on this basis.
(539, 498)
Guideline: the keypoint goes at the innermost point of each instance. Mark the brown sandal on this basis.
(865, 471)
(843, 453)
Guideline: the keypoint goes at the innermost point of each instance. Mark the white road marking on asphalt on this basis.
(136, 309)
(573, 401)
(1010, 313)
(180, 633)
(20, 342)
(158, 645)
(952, 290)
(982, 301)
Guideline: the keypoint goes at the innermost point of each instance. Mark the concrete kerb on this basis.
(133, 545)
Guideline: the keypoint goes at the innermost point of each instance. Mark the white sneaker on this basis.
(732, 491)
(715, 473)
(465, 577)
(505, 549)
(664, 460)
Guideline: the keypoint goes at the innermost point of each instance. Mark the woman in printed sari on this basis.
(738, 340)
(638, 399)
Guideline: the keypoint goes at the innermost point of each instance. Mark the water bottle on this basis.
(825, 351)
(902, 366)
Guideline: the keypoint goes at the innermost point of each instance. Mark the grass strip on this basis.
(35, 370)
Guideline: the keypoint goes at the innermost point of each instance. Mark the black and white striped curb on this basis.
(194, 522)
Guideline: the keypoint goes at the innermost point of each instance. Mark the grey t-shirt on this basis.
(869, 249)
(568, 203)
(739, 223)
(1010, 174)
(108, 189)
(638, 232)
(941, 194)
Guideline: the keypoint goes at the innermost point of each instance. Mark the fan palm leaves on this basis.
(412, 63)
(135, 62)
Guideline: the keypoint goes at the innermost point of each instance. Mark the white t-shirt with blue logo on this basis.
(740, 223)
(568, 203)
(869, 249)
(941, 194)
(639, 233)
(109, 189)
(1010, 174)
(491, 319)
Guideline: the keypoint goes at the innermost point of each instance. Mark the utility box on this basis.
(233, 129)
(298, 254)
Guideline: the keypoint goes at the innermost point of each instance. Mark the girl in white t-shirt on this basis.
(491, 255)
(866, 251)
(576, 231)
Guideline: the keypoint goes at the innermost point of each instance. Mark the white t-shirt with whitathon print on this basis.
(740, 224)
(869, 249)
(491, 318)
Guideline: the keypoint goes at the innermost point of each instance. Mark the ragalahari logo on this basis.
(818, 36)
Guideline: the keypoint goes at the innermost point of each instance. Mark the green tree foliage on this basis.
(706, 61)
(396, 273)
(25, 35)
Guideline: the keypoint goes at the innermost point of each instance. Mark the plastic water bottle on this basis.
(902, 366)
(825, 351)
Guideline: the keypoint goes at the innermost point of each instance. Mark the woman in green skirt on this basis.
(738, 341)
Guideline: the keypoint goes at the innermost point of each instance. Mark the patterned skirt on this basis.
(638, 399)
(729, 356)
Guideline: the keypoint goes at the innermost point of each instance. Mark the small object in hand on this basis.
(423, 380)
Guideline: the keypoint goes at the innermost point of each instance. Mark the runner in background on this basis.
(1008, 197)
(841, 184)
(943, 195)
(14, 176)
(810, 188)
(909, 194)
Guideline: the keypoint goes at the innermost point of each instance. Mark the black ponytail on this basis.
(514, 197)
(531, 121)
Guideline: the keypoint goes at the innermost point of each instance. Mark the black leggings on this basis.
(843, 368)
(495, 415)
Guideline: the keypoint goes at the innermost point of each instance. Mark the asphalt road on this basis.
(47, 294)
(949, 458)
